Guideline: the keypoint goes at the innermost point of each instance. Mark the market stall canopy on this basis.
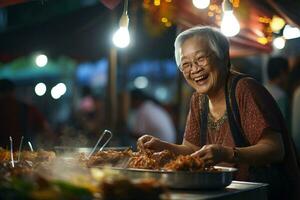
(254, 17)
(82, 29)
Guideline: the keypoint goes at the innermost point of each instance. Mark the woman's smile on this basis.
(201, 79)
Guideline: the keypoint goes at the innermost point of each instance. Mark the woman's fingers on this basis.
(205, 156)
(202, 152)
(150, 143)
(142, 140)
(209, 162)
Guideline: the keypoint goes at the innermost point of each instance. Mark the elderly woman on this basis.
(232, 120)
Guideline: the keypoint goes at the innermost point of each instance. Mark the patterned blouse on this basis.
(258, 111)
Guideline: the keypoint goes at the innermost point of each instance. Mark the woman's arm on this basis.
(153, 143)
(269, 149)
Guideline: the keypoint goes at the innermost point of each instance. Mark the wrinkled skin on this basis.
(208, 79)
(214, 70)
(150, 142)
(213, 154)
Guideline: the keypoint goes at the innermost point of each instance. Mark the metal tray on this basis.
(70, 149)
(185, 179)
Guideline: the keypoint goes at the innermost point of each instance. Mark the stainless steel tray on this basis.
(185, 179)
(70, 149)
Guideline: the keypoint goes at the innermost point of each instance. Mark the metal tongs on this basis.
(99, 140)
(11, 152)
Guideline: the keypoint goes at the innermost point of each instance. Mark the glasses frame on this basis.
(196, 60)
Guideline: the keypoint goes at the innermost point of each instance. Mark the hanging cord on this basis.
(125, 7)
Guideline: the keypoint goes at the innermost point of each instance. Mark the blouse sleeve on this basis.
(192, 127)
(258, 110)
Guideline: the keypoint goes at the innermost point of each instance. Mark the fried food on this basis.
(110, 157)
(151, 160)
(185, 163)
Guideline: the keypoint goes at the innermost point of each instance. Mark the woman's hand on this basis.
(150, 142)
(213, 154)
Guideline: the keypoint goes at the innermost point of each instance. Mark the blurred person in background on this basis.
(151, 117)
(87, 121)
(295, 111)
(277, 70)
(19, 119)
(296, 118)
(233, 120)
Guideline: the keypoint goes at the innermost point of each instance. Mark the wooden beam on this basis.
(5, 3)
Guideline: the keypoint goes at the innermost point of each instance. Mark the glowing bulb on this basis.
(41, 60)
(161, 93)
(55, 93)
(141, 82)
(121, 38)
(290, 32)
(61, 87)
(40, 89)
(277, 23)
(279, 43)
(58, 90)
(229, 25)
(201, 4)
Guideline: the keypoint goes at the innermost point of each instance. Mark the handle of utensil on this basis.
(30, 146)
(99, 140)
(110, 136)
(11, 152)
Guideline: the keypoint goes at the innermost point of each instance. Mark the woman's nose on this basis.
(195, 67)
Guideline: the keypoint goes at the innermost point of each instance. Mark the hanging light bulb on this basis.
(229, 25)
(121, 37)
(201, 4)
(279, 43)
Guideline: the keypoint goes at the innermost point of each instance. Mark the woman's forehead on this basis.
(194, 45)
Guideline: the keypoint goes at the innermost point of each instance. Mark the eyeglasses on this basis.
(199, 60)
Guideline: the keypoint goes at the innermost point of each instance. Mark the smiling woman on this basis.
(233, 120)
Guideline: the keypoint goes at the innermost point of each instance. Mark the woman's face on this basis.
(200, 66)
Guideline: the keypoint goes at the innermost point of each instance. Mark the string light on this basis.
(279, 43)
(164, 19)
(277, 24)
(156, 2)
(290, 32)
(262, 40)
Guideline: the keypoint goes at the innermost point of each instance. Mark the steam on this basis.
(74, 138)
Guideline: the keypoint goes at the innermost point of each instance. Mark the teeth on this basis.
(199, 78)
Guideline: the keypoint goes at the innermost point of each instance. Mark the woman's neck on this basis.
(217, 104)
(217, 98)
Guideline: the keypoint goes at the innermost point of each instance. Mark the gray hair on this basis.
(217, 42)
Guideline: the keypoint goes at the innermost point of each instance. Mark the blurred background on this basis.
(62, 60)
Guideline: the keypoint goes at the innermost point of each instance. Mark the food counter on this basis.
(236, 190)
(130, 175)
